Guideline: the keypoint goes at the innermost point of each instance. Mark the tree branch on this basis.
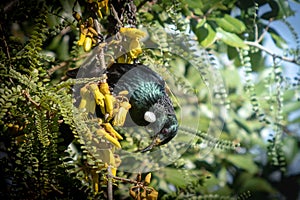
(268, 51)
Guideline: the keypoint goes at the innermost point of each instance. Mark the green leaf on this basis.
(278, 40)
(206, 35)
(55, 42)
(175, 177)
(242, 124)
(201, 22)
(290, 149)
(195, 3)
(198, 11)
(244, 162)
(232, 53)
(291, 106)
(285, 9)
(231, 39)
(230, 24)
(257, 184)
(232, 78)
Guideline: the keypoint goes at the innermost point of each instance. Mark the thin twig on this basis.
(57, 67)
(28, 97)
(100, 58)
(109, 184)
(125, 180)
(65, 63)
(268, 51)
(5, 43)
(100, 53)
(265, 31)
(57, 190)
(116, 15)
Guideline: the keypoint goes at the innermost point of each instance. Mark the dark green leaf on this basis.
(244, 161)
(278, 40)
(257, 184)
(194, 3)
(231, 39)
(232, 52)
(285, 9)
(230, 24)
(206, 35)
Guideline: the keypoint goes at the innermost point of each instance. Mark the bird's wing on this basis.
(117, 70)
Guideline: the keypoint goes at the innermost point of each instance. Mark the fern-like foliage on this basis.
(31, 113)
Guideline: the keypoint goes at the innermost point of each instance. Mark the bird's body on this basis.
(146, 93)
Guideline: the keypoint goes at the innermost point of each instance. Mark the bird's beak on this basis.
(156, 141)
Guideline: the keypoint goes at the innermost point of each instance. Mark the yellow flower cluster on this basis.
(88, 34)
(132, 44)
(115, 108)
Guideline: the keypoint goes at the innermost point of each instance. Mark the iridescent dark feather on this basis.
(146, 92)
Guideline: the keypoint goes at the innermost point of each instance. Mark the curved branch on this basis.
(268, 51)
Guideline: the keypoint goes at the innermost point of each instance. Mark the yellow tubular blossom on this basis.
(83, 33)
(112, 131)
(99, 97)
(114, 141)
(93, 31)
(114, 171)
(109, 99)
(103, 4)
(120, 117)
(148, 179)
(104, 88)
(132, 32)
(87, 44)
(77, 16)
(133, 193)
(91, 104)
(134, 46)
(84, 93)
(109, 104)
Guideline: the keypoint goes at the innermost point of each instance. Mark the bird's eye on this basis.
(164, 131)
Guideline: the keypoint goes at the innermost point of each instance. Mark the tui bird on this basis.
(150, 104)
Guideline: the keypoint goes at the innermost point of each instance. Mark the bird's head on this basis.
(166, 133)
